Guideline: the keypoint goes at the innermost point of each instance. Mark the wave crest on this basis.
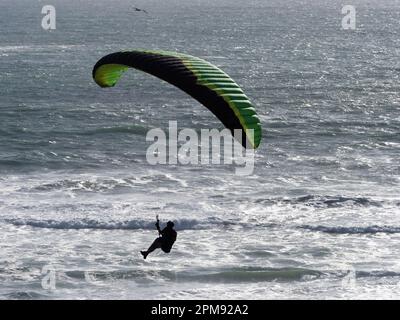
(80, 224)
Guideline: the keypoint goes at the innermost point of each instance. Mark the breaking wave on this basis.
(79, 224)
(353, 230)
(324, 201)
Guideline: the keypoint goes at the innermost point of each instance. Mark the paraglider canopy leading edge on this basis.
(205, 82)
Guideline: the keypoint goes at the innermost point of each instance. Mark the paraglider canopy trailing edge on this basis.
(202, 80)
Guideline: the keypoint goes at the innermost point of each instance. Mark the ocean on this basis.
(319, 218)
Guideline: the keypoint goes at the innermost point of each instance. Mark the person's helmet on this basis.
(170, 224)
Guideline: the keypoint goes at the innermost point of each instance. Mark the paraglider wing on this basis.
(200, 79)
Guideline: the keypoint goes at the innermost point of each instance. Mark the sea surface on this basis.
(319, 217)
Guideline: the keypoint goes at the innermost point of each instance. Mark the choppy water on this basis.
(320, 216)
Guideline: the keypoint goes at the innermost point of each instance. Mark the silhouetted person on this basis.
(165, 241)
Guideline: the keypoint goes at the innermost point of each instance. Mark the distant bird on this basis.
(140, 10)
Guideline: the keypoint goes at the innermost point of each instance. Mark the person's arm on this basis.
(163, 231)
(158, 227)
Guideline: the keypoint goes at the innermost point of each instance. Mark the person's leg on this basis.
(155, 245)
